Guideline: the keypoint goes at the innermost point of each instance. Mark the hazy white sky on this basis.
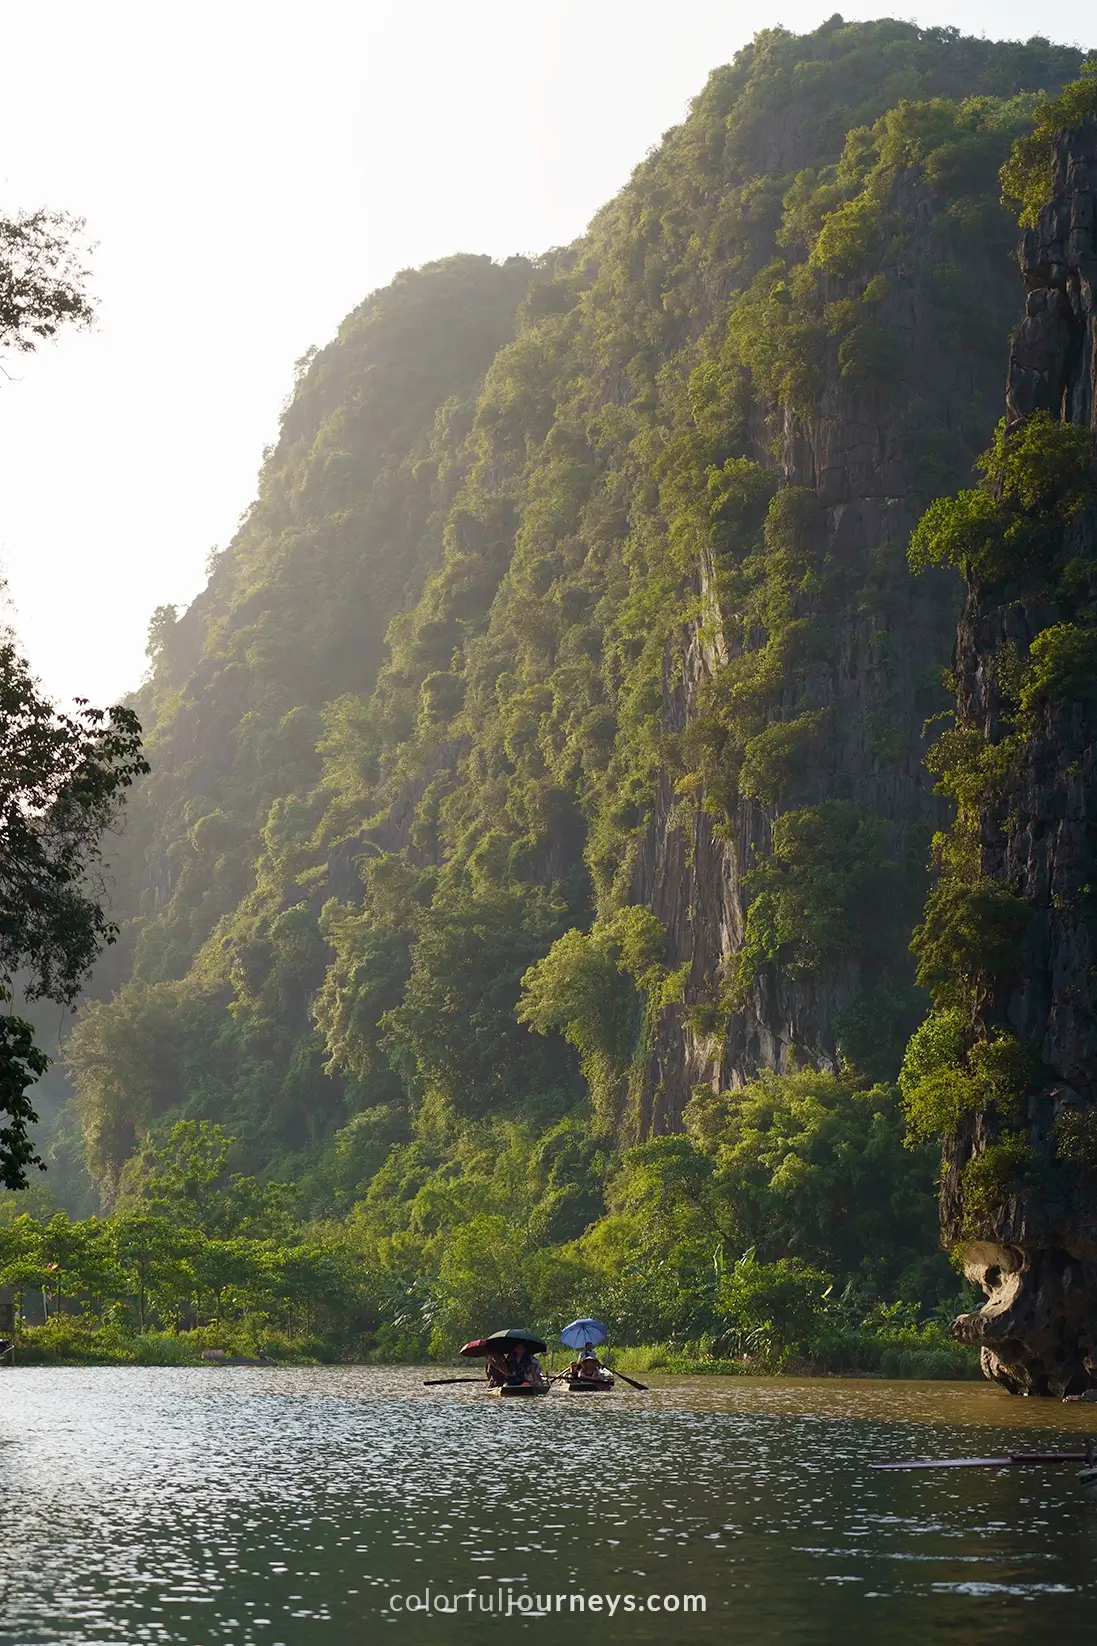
(251, 169)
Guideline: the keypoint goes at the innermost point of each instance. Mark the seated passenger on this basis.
(527, 1367)
(587, 1368)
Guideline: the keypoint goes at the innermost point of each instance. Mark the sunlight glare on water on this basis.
(255, 1507)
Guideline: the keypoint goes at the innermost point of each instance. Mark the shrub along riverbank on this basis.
(68, 1340)
(732, 1248)
(913, 1352)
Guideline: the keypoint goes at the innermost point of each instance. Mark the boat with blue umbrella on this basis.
(586, 1374)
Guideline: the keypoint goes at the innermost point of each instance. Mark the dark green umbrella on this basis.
(517, 1334)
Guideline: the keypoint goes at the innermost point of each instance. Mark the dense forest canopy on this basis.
(537, 820)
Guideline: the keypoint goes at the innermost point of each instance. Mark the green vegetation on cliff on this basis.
(547, 742)
(1020, 541)
(999, 1069)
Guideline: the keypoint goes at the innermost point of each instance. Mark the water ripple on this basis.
(232, 1507)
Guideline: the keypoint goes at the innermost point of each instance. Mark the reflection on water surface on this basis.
(231, 1507)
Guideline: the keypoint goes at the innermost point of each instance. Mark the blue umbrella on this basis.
(583, 1331)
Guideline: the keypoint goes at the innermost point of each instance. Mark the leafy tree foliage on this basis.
(21, 1064)
(1013, 534)
(815, 1169)
(61, 782)
(604, 991)
(1026, 175)
(41, 278)
(1037, 478)
(828, 868)
(61, 776)
(189, 1243)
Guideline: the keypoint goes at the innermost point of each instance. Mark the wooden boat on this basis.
(522, 1389)
(590, 1385)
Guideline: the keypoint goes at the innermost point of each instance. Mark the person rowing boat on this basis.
(587, 1368)
(498, 1369)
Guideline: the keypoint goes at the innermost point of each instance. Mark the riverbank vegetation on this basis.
(196, 1256)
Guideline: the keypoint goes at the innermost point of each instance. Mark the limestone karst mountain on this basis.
(548, 743)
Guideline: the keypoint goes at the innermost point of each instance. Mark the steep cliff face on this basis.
(1035, 1251)
(882, 640)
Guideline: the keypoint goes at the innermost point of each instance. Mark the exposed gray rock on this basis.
(877, 677)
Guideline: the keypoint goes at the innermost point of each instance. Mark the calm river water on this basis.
(319, 1507)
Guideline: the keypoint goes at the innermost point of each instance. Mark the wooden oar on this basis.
(436, 1382)
(630, 1380)
(989, 1462)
